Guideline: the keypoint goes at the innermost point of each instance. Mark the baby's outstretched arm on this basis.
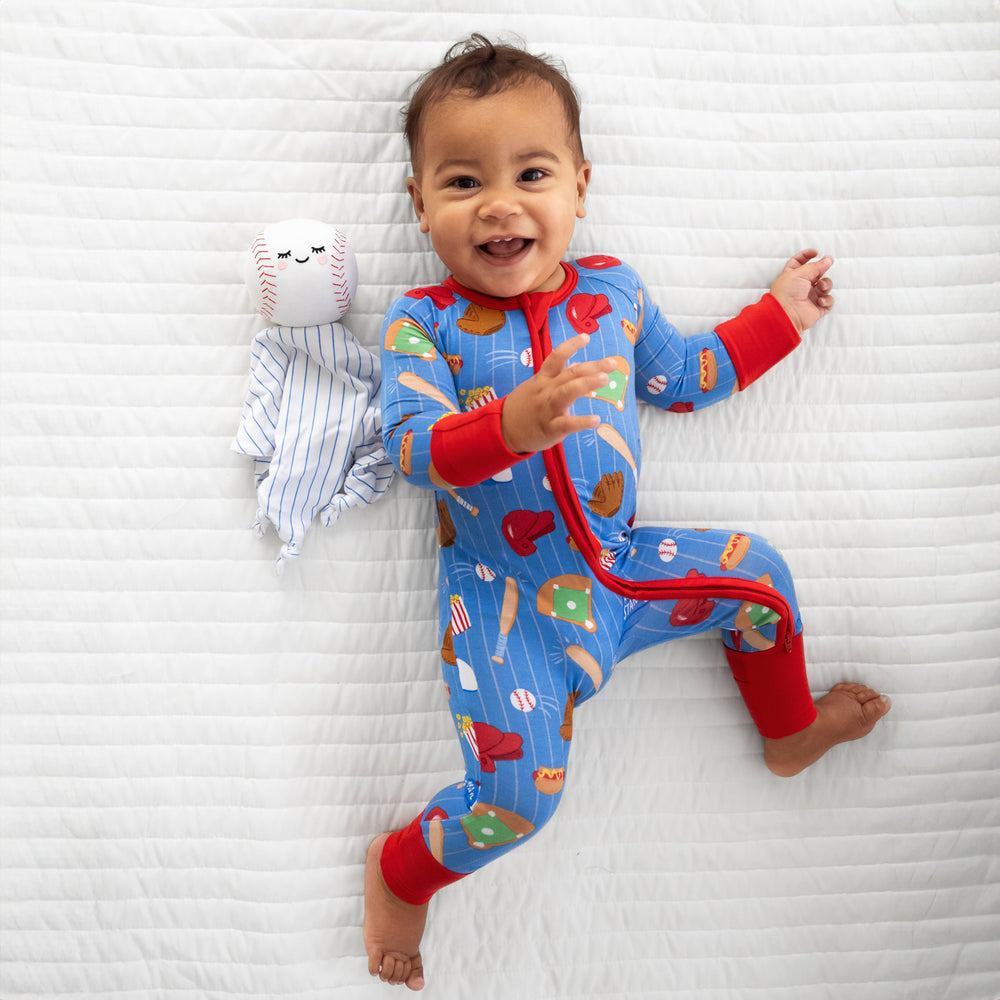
(803, 289)
(536, 414)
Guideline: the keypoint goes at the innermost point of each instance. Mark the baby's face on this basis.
(500, 188)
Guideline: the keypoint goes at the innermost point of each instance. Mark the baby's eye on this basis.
(319, 249)
(532, 174)
(285, 255)
(464, 183)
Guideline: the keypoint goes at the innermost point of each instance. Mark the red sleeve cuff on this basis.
(467, 448)
(758, 338)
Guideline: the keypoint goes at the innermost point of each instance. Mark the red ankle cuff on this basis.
(775, 688)
(410, 871)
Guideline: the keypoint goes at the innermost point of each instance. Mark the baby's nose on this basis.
(500, 204)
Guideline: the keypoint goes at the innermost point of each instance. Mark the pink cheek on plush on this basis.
(321, 258)
(282, 264)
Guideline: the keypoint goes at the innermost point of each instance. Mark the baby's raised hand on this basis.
(803, 290)
(536, 413)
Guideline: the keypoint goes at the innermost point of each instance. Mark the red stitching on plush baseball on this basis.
(266, 275)
(338, 270)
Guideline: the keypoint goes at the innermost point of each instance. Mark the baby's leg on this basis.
(513, 718)
(770, 673)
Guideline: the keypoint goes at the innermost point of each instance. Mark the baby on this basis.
(511, 389)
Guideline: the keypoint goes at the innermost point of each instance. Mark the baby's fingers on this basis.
(563, 426)
(824, 300)
(580, 380)
(558, 359)
(800, 258)
(803, 265)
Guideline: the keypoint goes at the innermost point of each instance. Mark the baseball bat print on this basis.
(438, 480)
(436, 837)
(421, 385)
(508, 613)
(590, 666)
(607, 433)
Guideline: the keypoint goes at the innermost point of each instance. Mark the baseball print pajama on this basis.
(545, 582)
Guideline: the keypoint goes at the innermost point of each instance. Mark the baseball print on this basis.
(522, 699)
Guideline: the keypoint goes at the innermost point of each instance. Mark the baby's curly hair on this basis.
(477, 67)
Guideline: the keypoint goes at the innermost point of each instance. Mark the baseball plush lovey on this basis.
(311, 421)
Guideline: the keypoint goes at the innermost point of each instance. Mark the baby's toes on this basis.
(870, 707)
(875, 707)
(394, 970)
(857, 691)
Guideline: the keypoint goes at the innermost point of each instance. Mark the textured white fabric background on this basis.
(196, 754)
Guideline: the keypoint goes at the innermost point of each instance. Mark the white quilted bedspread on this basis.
(195, 753)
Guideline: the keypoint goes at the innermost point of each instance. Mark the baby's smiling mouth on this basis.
(509, 246)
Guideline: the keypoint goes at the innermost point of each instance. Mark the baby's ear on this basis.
(413, 190)
(582, 183)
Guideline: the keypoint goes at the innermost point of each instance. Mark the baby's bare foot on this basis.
(392, 928)
(846, 712)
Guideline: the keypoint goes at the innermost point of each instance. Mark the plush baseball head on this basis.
(301, 273)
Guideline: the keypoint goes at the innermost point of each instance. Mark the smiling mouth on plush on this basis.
(502, 249)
